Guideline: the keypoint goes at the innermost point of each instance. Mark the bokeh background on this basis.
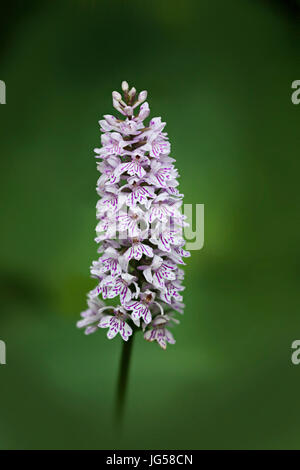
(220, 73)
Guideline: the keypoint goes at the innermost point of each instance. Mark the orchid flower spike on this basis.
(139, 227)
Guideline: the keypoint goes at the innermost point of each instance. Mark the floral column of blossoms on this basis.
(139, 227)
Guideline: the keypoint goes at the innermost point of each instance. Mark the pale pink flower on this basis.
(139, 227)
(91, 316)
(116, 324)
(159, 332)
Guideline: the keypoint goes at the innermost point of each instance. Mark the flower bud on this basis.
(116, 105)
(116, 95)
(125, 86)
(144, 111)
(132, 92)
(142, 96)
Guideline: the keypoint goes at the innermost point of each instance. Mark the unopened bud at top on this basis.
(125, 86)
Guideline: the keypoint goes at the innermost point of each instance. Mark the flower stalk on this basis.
(122, 385)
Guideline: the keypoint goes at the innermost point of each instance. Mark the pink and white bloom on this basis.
(108, 262)
(138, 249)
(139, 195)
(142, 308)
(159, 332)
(139, 229)
(158, 272)
(112, 144)
(120, 286)
(116, 324)
(91, 316)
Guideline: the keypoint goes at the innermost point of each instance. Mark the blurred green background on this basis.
(220, 73)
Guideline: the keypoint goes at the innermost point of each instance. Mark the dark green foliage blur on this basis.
(220, 74)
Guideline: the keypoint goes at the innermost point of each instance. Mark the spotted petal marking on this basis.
(140, 310)
(116, 325)
(139, 194)
(171, 291)
(161, 335)
(162, 176)
(162, 212)
(167, 271)
(137, 250)
(128, 222)
(96, 291)
(108, 202)
(132, 168)
(120, 288)
(159, 147)
(125, 330)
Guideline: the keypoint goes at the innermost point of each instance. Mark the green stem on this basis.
(123, 378)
